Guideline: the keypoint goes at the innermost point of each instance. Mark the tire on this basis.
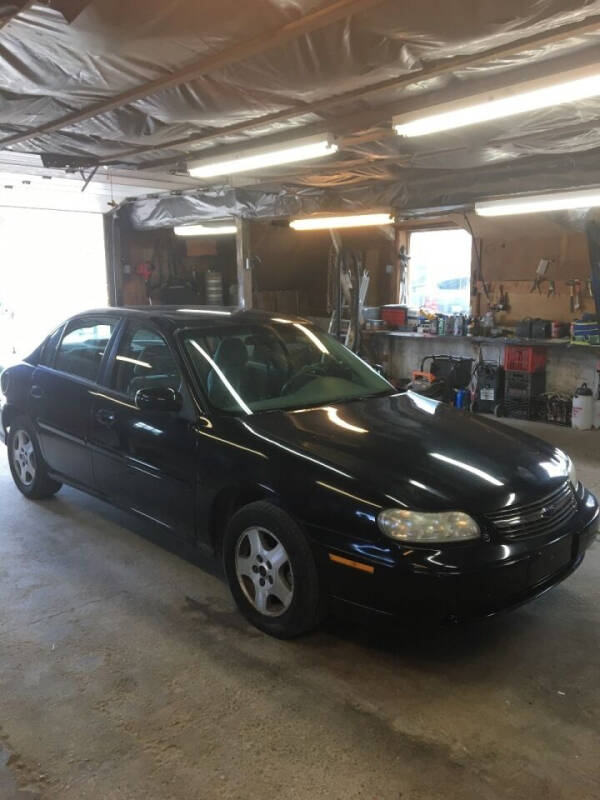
(263, 543)
(26, 463)
(499, 410)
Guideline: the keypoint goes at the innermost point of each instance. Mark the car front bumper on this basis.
(459, 582)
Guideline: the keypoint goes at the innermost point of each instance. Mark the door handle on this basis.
(105, 417)
(36, 392)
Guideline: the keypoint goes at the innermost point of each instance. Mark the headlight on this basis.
(573, 475)
(421, 526)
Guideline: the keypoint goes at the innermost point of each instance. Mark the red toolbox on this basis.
(524, 358)
(394, 315)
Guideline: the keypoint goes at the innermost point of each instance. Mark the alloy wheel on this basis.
(264, 571)
(23, 457)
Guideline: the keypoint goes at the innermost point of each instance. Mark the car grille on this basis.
(543, 516)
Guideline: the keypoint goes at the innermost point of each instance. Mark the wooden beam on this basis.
(21, 6)
(267, 40)
(244, 263)
(433, 70)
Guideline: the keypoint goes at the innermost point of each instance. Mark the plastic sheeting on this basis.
(419, 192)
(52, 65)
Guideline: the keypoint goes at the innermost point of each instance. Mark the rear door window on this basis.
(82, 347)
(144, 361)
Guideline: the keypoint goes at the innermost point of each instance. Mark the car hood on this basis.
(417, 451)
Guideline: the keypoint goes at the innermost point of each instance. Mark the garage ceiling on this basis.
(143, 86)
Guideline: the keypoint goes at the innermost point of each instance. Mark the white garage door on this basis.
(52, 265)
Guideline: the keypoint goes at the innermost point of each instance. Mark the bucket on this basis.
(583, 408)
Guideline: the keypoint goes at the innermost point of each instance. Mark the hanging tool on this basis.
(403, 261)
(571, 285)
(589, 287)
(537, 284)
(348, 283)
(551, 289)
(502, 304)
(577, 289)
(540, 275)
(592, 230)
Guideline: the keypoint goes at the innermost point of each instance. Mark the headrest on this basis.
(231, 353)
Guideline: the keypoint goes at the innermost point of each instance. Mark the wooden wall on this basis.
(173, 258)
(298, 261)
(511, 248)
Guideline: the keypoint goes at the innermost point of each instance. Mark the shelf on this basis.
(502, 340)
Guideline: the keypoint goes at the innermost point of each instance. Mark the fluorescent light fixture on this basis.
(557, 201)
(569, 86)
(204, 230)
(270, 156)
(349, 221)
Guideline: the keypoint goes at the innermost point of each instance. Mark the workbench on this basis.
(400, 352)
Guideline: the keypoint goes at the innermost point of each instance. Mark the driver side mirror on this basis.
(158, 398)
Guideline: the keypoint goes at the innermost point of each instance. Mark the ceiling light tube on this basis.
(204, 230)
(271, 156)
(531, 204)
(349, 221)
(567, 87)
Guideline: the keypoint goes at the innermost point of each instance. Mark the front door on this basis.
(145, 461)
(61, 397)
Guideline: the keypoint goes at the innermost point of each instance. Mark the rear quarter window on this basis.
(47, 349)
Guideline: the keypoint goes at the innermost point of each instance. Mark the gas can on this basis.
(583, 408)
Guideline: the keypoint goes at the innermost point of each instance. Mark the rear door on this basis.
(61, 395)
(142, 460)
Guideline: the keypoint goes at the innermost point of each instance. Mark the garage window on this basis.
(440, 271)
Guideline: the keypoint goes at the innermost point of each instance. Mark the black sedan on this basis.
(259, 438)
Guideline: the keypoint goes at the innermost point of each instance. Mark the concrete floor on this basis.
(126, 673)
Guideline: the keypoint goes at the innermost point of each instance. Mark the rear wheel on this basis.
(271, 571)
(26, 463)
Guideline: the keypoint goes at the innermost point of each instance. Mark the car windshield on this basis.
(277, 365)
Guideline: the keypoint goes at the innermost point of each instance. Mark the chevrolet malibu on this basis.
(265, 442)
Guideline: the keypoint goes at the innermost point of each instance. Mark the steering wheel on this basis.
(305, 375)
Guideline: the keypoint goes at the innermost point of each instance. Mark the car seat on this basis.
(161, 373)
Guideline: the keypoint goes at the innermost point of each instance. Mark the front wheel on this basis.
(26, 463)
(271, 571)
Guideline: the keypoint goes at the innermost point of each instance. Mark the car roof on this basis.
(193, 315)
